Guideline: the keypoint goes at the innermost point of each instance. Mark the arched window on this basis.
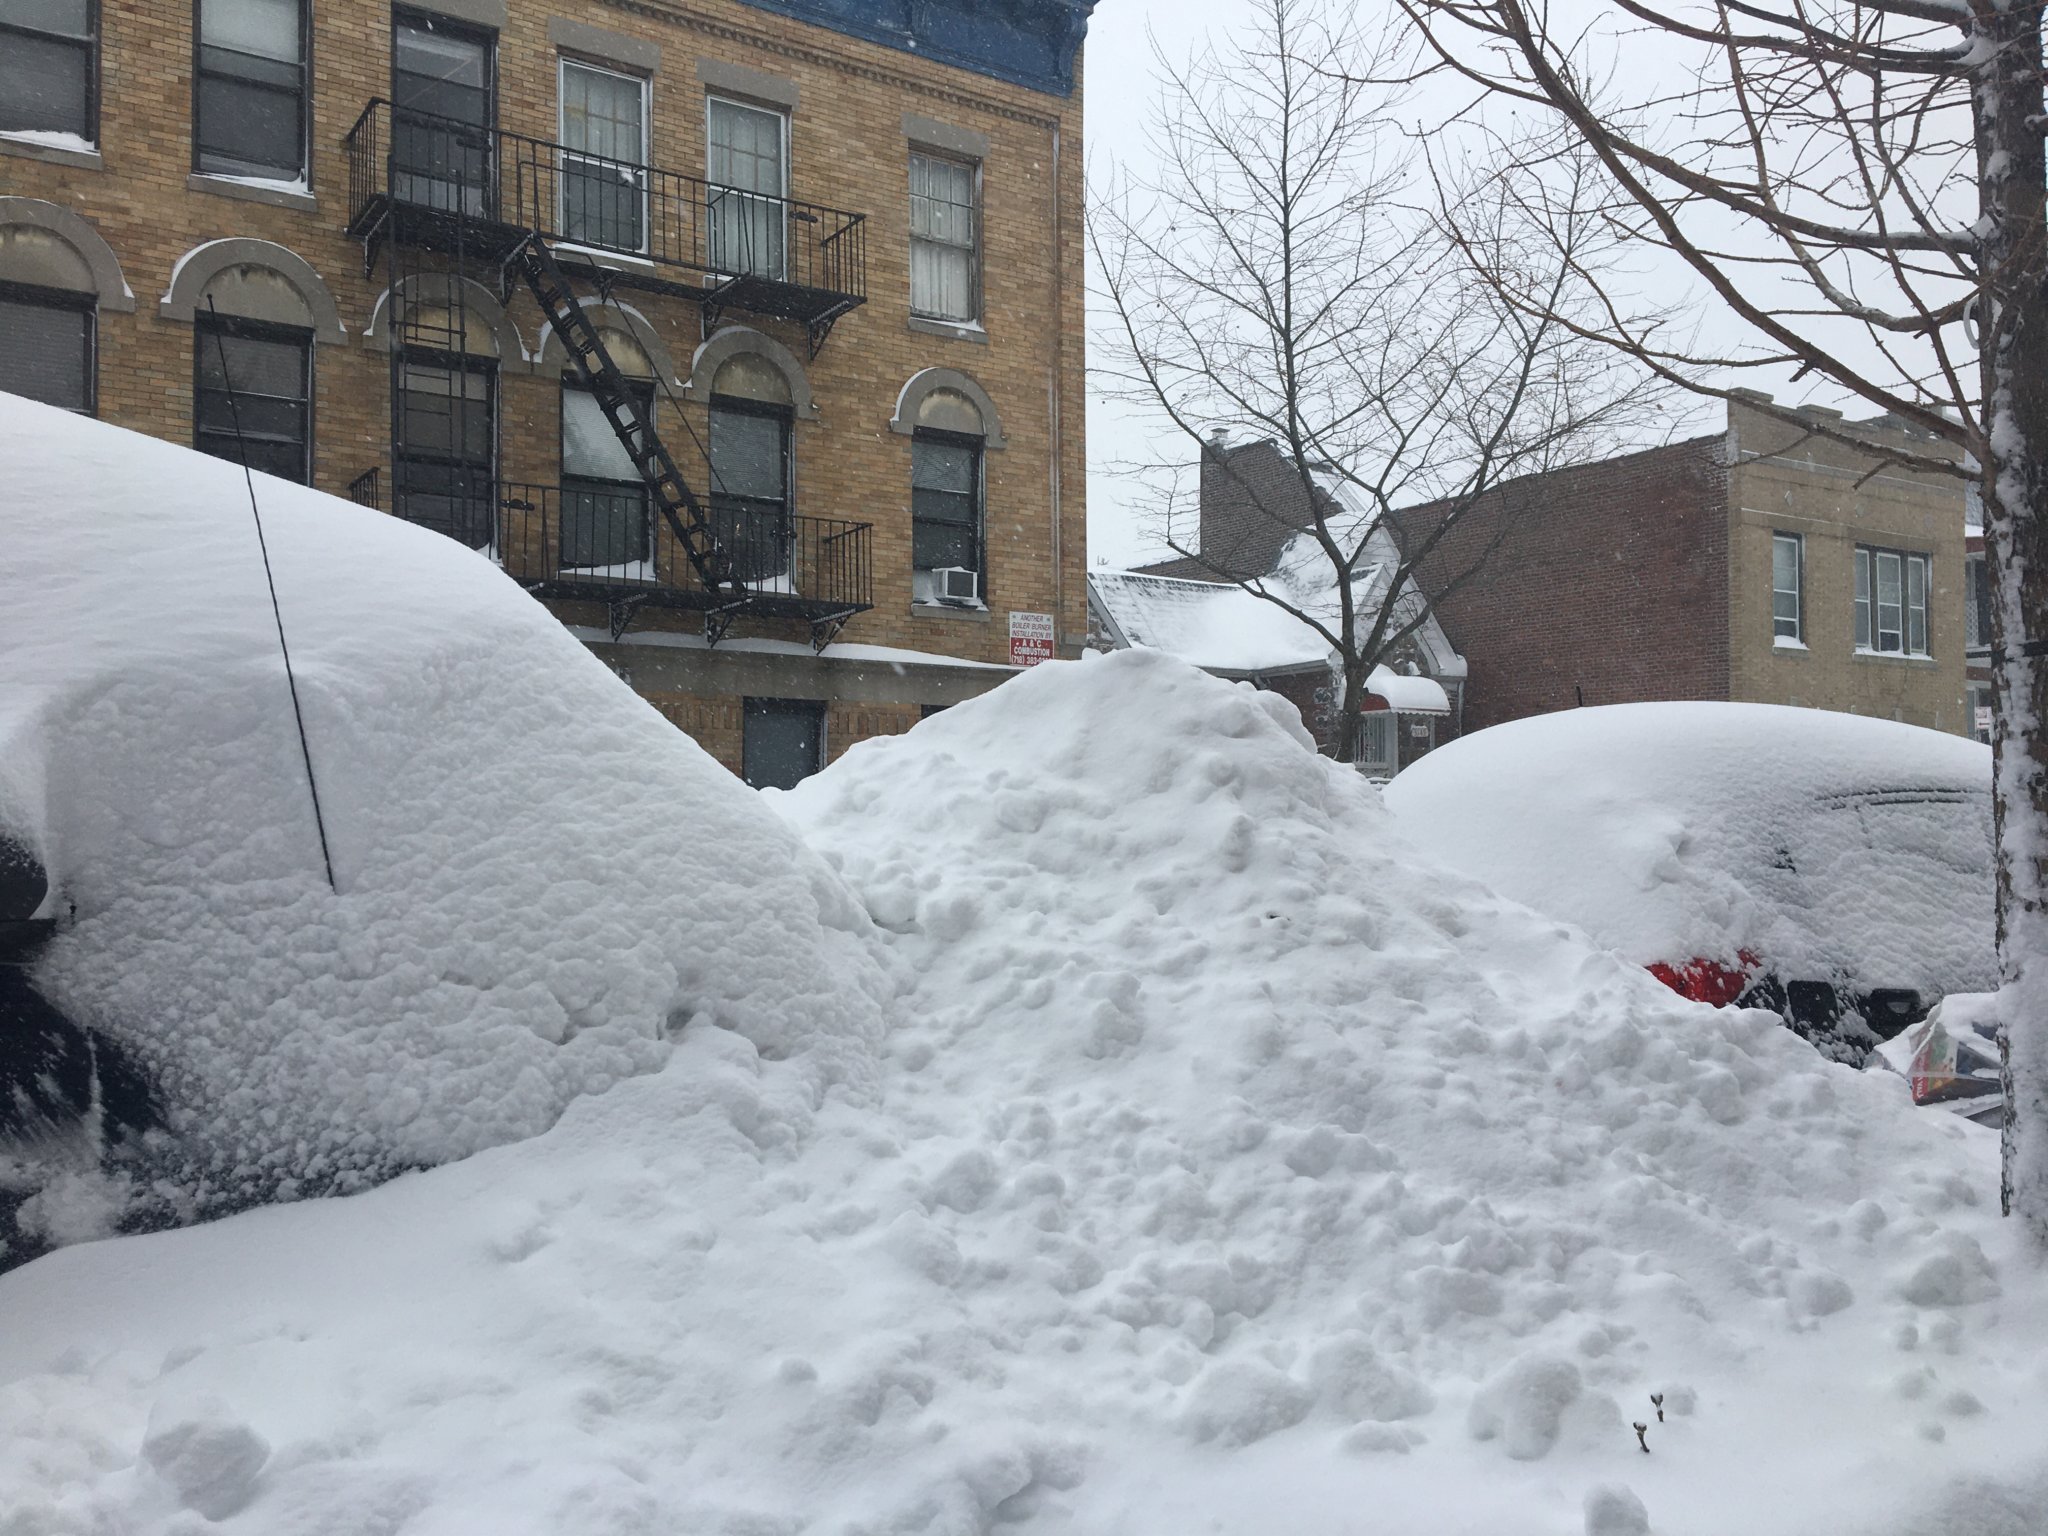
(752, 467)
(56, 275)
(951, 423)
(256, 311)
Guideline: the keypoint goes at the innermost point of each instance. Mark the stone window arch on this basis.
(738, 341)
(252, 280)
(44, 245)
(636, 346)
(56, 277)
(947, 400)
(436, 304)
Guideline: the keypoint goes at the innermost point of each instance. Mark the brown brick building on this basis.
(1760, 564)
(830, 253)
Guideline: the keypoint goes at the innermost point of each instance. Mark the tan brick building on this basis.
(1762, 564)
(831, 249)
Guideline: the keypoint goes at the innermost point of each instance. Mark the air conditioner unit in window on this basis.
(956, 584)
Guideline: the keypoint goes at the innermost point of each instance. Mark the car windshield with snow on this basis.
(1832, 868)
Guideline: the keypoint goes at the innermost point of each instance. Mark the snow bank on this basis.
(1826, 844)
(540, 880)
(1234, 1170)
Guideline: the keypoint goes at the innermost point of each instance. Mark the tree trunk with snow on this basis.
(2007, 95)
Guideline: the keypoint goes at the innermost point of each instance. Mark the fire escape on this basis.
(455, 211)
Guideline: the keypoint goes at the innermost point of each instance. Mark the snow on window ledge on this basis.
(49, 144)
(958, 330)
(1787, 643)
(1876, 655)
(277, 190)
(931, 608)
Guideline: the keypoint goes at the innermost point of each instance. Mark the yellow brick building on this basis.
(832, 249)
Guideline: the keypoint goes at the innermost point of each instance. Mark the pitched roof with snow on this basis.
(1220, 628)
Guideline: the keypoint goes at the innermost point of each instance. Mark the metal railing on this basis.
(442, 171)
(607, 542)
(367, 489)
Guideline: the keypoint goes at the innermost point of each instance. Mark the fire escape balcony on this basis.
(601, 543)
(433, 183)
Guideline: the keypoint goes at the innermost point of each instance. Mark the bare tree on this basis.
(1860, 183)
(1285, 275)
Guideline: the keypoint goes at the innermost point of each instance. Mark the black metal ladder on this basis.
(629, 417)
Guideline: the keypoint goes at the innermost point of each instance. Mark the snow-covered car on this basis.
(1834, 868)
(238, 994)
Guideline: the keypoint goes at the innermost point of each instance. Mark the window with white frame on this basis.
(1378, 743)
(945, 238)
(249, 109)
(49, 67)
(747, 163)
(1891, 601)
(604, 169)
(1787, 577)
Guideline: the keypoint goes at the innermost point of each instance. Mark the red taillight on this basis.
(1707, 981)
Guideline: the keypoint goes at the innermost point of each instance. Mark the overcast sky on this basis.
(1121, 86)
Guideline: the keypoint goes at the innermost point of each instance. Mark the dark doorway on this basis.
(784, 742)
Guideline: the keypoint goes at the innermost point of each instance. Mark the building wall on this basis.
(714, 723)
(1834, 497)
(1603, 584)
(848, 149)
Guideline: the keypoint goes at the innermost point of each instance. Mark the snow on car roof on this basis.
(1821, 842)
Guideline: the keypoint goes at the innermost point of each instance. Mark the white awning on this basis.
(1409, 695)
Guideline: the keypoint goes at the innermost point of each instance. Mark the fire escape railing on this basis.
(605, 543)
(443, 189)
(411, 174)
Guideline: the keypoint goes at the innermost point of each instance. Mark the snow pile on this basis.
(1234, 1170)
(539, 879)
(1825, 844)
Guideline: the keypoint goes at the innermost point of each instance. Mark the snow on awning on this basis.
(1405, 695)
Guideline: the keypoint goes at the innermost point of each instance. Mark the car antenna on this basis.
(276, 613)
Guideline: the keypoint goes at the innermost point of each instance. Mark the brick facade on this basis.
(849, 140)
(1649, 576)
(1608, 583)
(1834, 498)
